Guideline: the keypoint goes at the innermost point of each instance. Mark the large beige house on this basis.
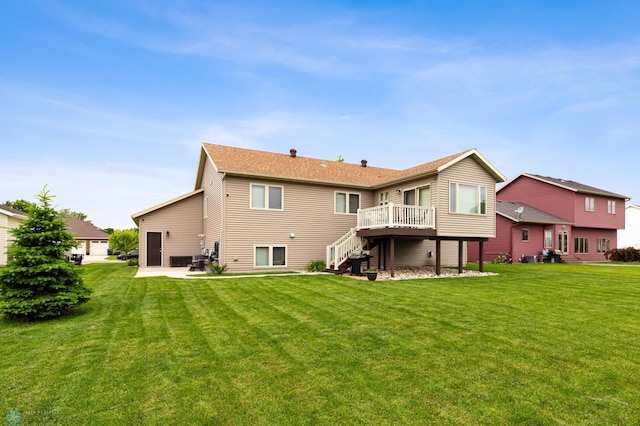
(270, 211)
(9, 218)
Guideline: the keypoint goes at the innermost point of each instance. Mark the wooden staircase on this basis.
(343, 247)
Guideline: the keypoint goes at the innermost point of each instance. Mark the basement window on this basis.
(270, 256)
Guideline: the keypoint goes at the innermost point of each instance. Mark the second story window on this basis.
(469, 199)
(266, 197)
(347, 203)
(611, 207)
(589, 204)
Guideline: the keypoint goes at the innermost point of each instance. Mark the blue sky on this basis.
(108, 102)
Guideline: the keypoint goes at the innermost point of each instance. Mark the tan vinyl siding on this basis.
(214, 194)
(308, 212)
(467, 171)
(6, 223)
(416, 253)
(183, 220)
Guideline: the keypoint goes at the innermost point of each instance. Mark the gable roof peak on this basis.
(575, 186)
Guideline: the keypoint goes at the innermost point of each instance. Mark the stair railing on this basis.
(339, 251)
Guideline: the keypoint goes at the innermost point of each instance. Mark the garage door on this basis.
(98, 247)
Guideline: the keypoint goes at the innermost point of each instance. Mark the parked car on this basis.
(133, 254)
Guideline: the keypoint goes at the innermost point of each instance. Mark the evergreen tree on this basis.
(38, 282)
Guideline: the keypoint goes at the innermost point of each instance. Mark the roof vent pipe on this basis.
(293, 152)
(364, 163)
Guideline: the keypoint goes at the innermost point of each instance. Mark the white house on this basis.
(630, 235)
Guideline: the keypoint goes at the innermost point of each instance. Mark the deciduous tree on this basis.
(124, 240)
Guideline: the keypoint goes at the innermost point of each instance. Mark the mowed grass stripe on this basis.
(537, 344)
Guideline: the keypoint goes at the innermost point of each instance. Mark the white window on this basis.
(604, 245)
(611, 207)
(347, 203)
(468, 199)
(410, 197)
(266, 197)
(421, 195)
(589, 204)
(548, 238)
(270, 256)
(384, 199)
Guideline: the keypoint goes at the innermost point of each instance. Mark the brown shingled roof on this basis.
(574, 186)
(84, 230)
(248, 162)
(12, 210)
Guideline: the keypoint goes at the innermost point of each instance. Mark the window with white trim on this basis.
(268, 256)
(611, 207)
(525, 235)
(467, 199)
(266, 197)
(581, 245)
(347, 203)
(589, 204)
(383, 199)
(419, 196)
(604, 245)
(548, 238)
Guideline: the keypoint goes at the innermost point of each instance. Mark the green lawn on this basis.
(537, 344)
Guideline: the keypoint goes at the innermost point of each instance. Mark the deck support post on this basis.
(392, 243)
(460, 256)
(481, 255)
(438, 256)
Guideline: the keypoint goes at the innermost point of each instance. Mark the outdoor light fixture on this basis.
(167, 234)
(398, 191)
(292, 235)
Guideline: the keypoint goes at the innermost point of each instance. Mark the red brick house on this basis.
(536, 213)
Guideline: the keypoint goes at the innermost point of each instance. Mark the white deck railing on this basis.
(339, 251)
(397, 216)
(387, 216)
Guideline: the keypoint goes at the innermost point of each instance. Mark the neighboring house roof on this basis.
(9, 211)
(84, 230)
(511, 210)
(136, 216)
(569, 185)
(253, 163)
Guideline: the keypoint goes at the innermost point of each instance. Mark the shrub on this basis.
(133, 262)
(628, 254)
(316, 266)
(216, 268)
